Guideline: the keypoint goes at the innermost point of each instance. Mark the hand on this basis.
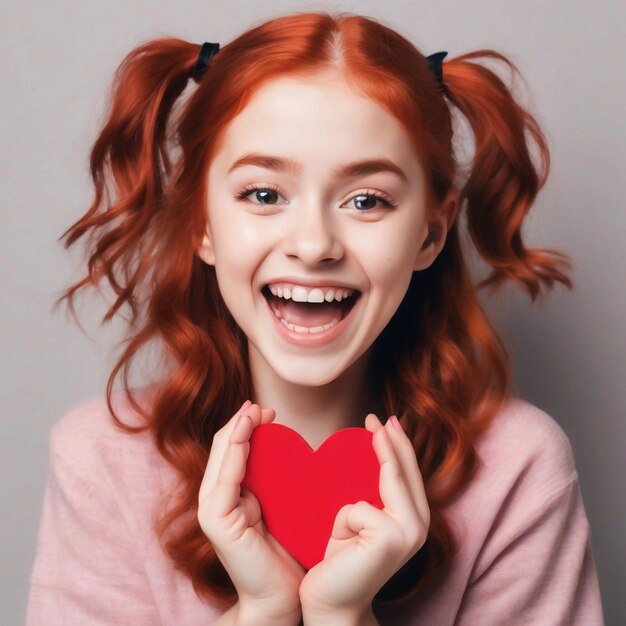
(266, 576)
(369, 545)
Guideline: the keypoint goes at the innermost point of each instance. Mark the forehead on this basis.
(318, 119)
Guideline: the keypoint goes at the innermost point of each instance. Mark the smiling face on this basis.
(315, 224)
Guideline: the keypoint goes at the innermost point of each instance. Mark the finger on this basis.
(351, 519)
(267, 415)
(372, 423)
(233, 468)
(257, 417)
(250, 504)
(227, 490)
(405, 453)
(407, 458)
(394, 490)
(219, 445)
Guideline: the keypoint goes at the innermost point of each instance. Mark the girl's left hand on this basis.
(368, 545)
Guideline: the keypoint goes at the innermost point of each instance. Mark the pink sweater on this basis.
(525, 556)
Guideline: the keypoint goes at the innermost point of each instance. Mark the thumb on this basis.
(351, 519)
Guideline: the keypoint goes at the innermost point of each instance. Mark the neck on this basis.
(315, 412)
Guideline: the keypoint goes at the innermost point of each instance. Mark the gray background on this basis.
(568, 355)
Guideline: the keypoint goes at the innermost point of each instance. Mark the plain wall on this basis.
(568, 354)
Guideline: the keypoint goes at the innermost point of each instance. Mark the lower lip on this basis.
(311, 340)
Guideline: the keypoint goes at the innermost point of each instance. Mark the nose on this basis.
(312, 236)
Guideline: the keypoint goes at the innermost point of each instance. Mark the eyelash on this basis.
(385, 200)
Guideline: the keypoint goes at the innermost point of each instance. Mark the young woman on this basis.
(288, 231)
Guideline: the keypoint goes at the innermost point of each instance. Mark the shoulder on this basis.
(524, 442)
(523, 505)
(103, 488)
(525, 463)
(87, 439)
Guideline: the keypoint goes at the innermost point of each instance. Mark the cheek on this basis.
(237, 237)
(388, 261)
(240, 251)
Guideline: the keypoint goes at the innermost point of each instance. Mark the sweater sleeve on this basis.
(538, 571)
(86, 570)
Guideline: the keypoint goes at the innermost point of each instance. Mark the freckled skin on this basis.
(313, 226)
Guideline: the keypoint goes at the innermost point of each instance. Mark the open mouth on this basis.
(310, 314)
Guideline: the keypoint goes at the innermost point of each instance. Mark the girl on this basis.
(289, 230)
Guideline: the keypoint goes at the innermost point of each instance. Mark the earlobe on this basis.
(205, 251)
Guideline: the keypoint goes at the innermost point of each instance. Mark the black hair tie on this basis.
(435, 61)
(207, 52)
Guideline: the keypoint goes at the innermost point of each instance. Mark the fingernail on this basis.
(396, 424)
(245, 405)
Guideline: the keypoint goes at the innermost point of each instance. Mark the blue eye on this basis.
(384, 199)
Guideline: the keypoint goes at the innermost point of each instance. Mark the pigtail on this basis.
(503, 182)
(129, 164)
(130, 168)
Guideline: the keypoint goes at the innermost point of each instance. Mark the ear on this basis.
(438, 226)
(206, 251)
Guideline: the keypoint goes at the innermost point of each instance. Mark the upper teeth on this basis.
(298, 293)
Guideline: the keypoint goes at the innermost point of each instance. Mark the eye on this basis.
(370, 196)
(244, 193)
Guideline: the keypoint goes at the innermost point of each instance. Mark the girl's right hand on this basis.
(266, 576)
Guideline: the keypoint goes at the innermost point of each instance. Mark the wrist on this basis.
(359, 616)
(257, 614)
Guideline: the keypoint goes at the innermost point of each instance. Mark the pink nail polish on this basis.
(396, 424)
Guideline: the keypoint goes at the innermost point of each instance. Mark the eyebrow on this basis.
(348, 170)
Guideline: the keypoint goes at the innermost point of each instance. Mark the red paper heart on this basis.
(300, 490)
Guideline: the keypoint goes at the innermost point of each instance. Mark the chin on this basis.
(308, 375)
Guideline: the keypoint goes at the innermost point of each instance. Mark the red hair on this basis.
(440, 364)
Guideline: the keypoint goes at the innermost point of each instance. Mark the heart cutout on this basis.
(300, 490)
